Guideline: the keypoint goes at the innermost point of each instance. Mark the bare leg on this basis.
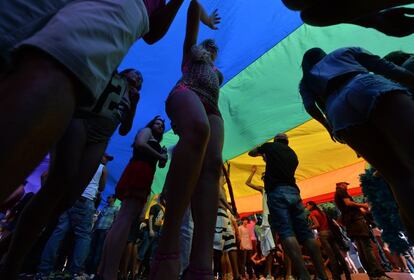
(402, 262)
(386, 143)
(72, 168)
(315, 254)
(288, 265)
(126, 257)
(88, 165)
(204, 202)
(37, 100)
(187, 113)
(242, 262)
(269, 263)
(292, 249)
(234, 264)
(134, 261)
(50, 201)
(117, 238)
(224, 264)
(218, 263)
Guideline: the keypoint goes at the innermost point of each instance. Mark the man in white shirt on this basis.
(78, 218)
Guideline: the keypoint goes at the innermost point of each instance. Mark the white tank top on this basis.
(92, 188)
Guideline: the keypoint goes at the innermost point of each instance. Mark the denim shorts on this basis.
(352, 104)
(287, 213)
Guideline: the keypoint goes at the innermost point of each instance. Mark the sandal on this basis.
(159, 258)
(198, 274)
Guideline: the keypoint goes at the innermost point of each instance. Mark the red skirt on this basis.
(136, 181)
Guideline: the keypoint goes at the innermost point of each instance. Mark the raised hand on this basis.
(254, 168)
(213, 19)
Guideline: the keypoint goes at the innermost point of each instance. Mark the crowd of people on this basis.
(73, 99)
(245, 247)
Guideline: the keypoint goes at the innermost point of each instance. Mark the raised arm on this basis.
(249, 181)
(192, 28)
(102, 179)
(309, 102)
(195, 14)
(255, 152)
(161, 21)
(315, 113)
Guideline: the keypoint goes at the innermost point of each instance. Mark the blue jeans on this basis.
(153, 247)
(287, 213)
(143, 248)
(94, 258)
(79, 219)
(148, 246)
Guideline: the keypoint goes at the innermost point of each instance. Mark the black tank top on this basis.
(142, 155)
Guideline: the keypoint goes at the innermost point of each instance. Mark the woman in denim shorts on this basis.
(365, 102)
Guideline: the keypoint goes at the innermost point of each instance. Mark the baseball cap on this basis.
(340, 183)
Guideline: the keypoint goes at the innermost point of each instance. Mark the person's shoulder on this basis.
(264, 148)
(275, 147)
(145, 130)
(286, 148)
(314, 213)
(341, 193)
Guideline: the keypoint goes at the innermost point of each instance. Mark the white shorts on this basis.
(267, 242)
(90, 38)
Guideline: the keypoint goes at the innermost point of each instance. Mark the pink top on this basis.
(251, 225)
(245, 238)
(153, 5)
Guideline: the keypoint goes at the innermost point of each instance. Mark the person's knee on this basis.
(196, 134)
(287, 235)
(214, 163)
(310, 243)
(131, 207)
(63, 181)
